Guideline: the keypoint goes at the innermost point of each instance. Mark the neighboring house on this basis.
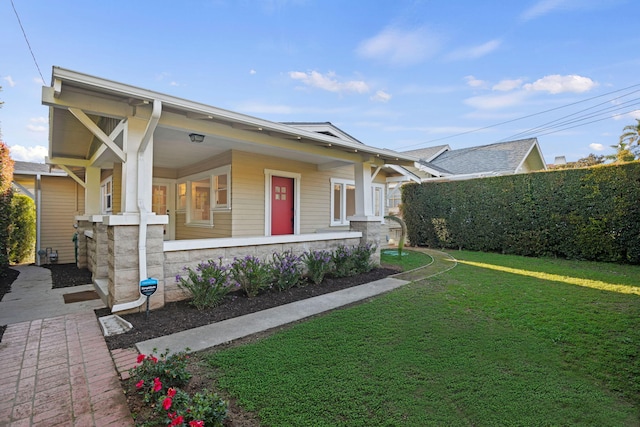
(503, 158)
(441, 163)
(170, 183)
(58, 199)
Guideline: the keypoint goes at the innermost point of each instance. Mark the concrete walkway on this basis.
(56, 368)
(32, 297)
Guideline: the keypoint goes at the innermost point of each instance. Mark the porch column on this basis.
(363, 221)
(92, 196)
(363, 190)
(133, 169)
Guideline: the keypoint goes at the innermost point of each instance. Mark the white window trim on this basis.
(343, 203)
(210, 174)
(103, 195)
(269, 173)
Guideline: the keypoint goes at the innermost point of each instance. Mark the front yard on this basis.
(490, 342)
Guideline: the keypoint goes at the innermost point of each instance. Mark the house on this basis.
(503, 158)
(441, 163)
(58, 200)
(169, 183)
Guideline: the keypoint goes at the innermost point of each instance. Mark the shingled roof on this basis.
(429, 153)
(502, 157)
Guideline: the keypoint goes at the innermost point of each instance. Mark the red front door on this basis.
(282, 214)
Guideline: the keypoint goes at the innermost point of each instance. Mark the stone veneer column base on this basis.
(124, 273)
(83, 261)
(370, 234)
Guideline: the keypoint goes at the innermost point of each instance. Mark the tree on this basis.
(22, 234)
(630, 135)
(624, 152)
(6, 194)
(585, 162)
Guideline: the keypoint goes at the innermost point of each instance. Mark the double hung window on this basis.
(200, 195)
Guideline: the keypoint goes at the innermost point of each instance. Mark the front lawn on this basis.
(486, 343)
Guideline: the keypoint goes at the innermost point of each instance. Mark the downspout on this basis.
(38, 218)
(142, 212)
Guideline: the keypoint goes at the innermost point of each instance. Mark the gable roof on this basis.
(325, 128)
(498, 158)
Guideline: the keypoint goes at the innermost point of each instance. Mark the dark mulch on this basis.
(67, 275)
(179, 316)
(7, 277)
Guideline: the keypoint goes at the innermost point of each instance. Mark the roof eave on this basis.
(110, 87)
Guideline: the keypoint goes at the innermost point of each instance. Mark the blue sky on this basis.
(394, 74)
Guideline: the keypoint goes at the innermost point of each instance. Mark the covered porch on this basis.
(170, 183)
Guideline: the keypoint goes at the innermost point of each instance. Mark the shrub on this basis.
(158, 380)
(155, 375)
(342, 260)
(251, 274)
(286, 269)
(201, 409)
(22, 232)
(362, 258)
(318, 264)
(585, 214)
(208, 284)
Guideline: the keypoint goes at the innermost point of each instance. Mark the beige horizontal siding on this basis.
(248, 192)
(62, 200)
(206, 165)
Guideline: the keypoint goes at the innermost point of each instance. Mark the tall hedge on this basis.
(22, 233)
(590, 214)
(6, 177)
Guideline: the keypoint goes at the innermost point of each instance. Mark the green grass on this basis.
(408, 261)
(472, 346)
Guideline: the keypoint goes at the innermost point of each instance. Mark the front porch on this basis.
(171, 183)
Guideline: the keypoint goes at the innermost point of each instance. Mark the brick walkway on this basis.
(59, 372)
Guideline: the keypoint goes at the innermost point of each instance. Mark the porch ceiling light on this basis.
(196, 137)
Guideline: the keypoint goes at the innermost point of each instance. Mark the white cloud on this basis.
(381, 96)
(252, 72)
(329, 82)
(494, 102)
(473, 82)
(507, 85)
(400, 47)
(10, 81)
(28, 154)
(542, 7)
(632, 115)
(475, 52)
(597, 147)
(556, 83)
(38, 124)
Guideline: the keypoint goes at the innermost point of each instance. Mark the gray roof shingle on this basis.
(498, 157)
